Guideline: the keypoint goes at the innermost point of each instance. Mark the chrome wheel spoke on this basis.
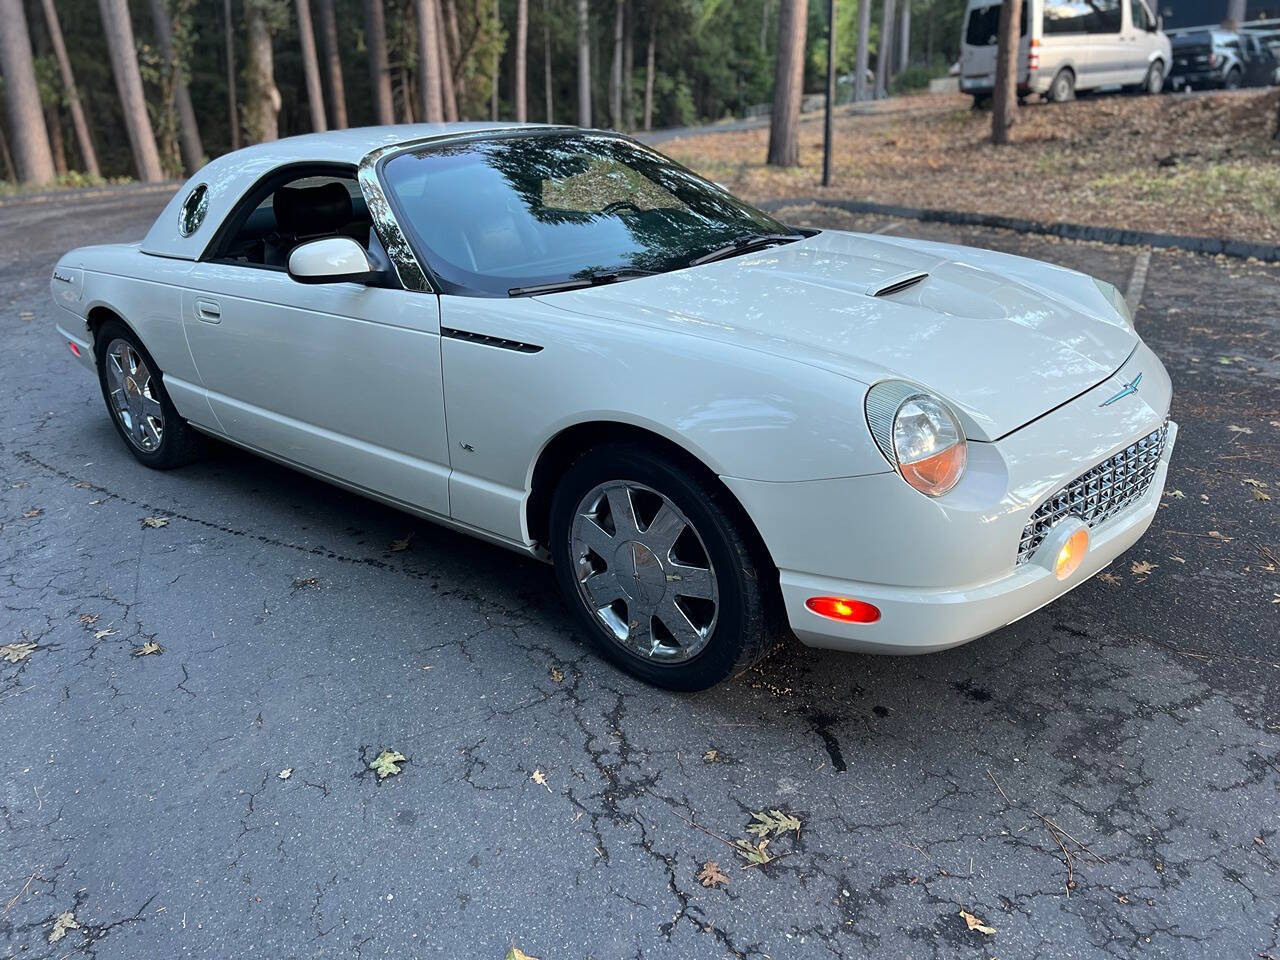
(640, 634)
(151, 408)
(678, 624)
(602, 589)
(623, 513)
(685, 581)
(592, 535)
(661, 535)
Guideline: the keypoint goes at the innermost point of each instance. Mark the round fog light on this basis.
(1063, 550)
(1072, 554)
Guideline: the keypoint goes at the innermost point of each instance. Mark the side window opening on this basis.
(288, 211)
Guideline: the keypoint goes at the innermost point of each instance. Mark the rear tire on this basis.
(1234, 79)
(612, 520)
(1063, 87)
(139, 406)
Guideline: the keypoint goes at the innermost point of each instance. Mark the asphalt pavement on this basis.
(1098, 780)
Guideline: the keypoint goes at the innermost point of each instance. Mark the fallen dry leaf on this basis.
(32, 513)
(775, 823)
(540, 779)
(286, 773)
(82, 485)
(398, 546)
(1217, 535)
(1176, 494)
(88, 619)
(711, 756)
(973, 923)
(16, 652)
(1141, 568)
(515, 953)
(1234, 429)
(712, 876)
(61, 924)
(387, 763)
(1110, 578)
(148, 649)
(1260, 494)
(103, 634)
(556, 675)
(755, 854)
(155, 522)
(1177, 559)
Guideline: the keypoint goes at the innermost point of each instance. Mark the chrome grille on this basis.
(1100, 493)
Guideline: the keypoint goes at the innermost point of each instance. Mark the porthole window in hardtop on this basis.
(193, 210)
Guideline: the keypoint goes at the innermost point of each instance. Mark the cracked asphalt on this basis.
(1098, 780)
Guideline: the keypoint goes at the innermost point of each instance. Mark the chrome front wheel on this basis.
(644, 571)
(133, 394)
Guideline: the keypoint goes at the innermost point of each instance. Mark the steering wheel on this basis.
(619, 205)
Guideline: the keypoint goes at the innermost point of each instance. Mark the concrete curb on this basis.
(1069, 231)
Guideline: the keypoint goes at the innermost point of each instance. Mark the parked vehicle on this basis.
(1205, 58)
(712, 423)
(1068, 45)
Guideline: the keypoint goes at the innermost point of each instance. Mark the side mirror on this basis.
(332, 260)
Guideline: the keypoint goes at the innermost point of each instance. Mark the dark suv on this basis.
(1220, 58)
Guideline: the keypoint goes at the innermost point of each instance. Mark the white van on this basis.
(1068, 45)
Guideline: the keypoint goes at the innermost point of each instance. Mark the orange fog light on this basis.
(1072, 554)
(842, 608)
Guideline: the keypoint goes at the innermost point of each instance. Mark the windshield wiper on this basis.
(743, 244)
(594, 279)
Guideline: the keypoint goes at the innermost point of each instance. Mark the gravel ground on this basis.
(1098, 780)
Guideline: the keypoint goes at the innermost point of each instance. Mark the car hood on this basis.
(1003, 338)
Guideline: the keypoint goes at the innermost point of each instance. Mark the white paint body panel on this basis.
(757, 365)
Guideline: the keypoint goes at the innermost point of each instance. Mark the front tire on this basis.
(138, 403)
(1154, 82)
(659, 571)
(1235, 78)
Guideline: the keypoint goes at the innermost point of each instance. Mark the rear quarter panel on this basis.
(146, 293)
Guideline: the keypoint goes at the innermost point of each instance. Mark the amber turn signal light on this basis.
(1072, 554)
(844, 609)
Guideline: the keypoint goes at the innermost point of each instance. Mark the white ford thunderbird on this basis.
(712, 423)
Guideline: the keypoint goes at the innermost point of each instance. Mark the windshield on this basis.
(494, 214)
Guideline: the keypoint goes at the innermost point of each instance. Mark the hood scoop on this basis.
(896, 283)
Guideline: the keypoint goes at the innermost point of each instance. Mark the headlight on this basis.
(1116, 299)
(918, 434)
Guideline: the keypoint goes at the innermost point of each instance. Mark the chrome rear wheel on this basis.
(133, 394)
(644, 571)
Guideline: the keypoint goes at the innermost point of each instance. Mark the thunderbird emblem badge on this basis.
(1130, 388)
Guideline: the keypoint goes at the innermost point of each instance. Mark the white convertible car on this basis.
(713, 424)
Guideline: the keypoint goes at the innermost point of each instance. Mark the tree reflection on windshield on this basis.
(524, 210)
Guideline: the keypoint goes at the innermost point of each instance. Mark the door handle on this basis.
(208, 310)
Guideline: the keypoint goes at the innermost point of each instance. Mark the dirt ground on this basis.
(1199, 164)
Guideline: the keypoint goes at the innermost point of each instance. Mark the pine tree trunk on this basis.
(448, 96)
(429, 92)
(522, 61)
(262, 106)
(862, 58)
(1004, 100)
(493, 92)
(584, 64)
(884, 50)
(375, 32)
(455, 52)
(331, 65)
(648, 75)
(788, 88)
(78, 123)
(118, 31)
(189, 141)
(628, 69)
(615, 70)
(53, 123)
(546, 62)
(904, 37)
(233, 112)
(311, 66)
(10, 173)
(22, 97)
